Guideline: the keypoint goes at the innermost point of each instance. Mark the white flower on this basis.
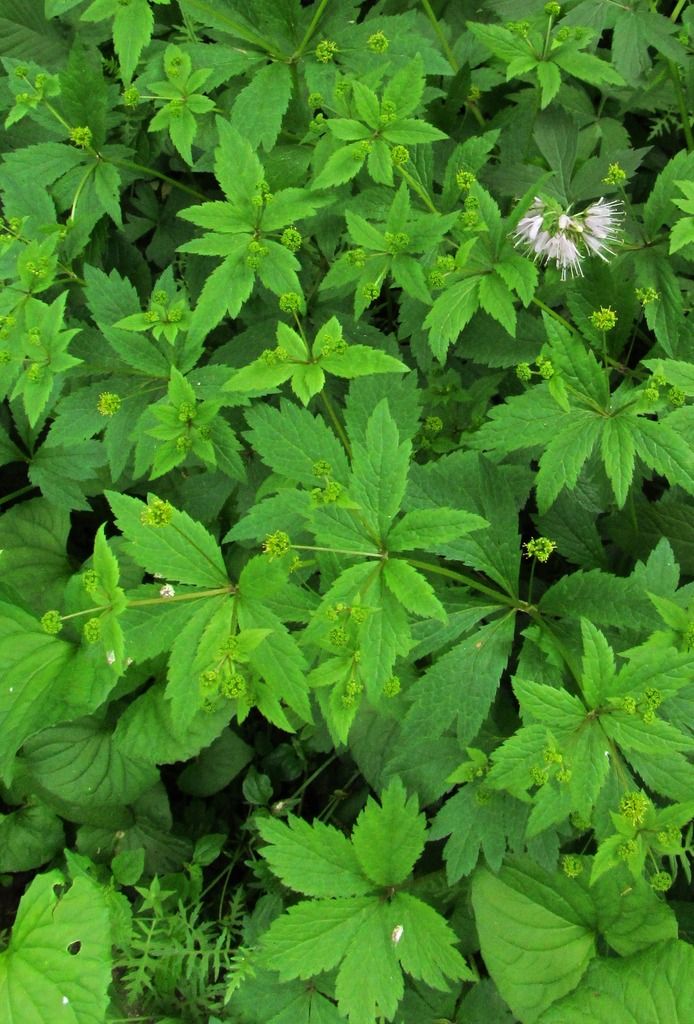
(554, 234)
(167, 591)
(600, 223)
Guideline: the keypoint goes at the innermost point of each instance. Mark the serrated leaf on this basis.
(389, 839)
(315, 860)
(379, 470)
(412, 589)
(260, 107)
(451, 312)
(182, 550)
(430, 529)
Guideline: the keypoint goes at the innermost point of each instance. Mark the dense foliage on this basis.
(346, 614)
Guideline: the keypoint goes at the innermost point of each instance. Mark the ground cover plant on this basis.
(346, 605)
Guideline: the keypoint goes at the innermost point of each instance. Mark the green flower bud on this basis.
(131, 97)
(553, 9)
(396, 241)
(326, 50)
(91, 631)
(646, 295)
(90, 580)
(158, 513)
(315, 100)
(391, 687)
(321, 468)
(524, 373)
(371, 291)
(540, 548)
(338, 636)
(290, 302)
(81, 137)
(432, 425)
(544, 367)
(616, 175)
(571, 865)
(378, 42)
(465, 180)
(291, 239)
(277, 544)
(604, 319)
(51, 622)
(233, 686)
(399, 155)
(676, 397)
(633, 807)
(661, 881)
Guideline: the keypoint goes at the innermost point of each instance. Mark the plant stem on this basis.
(17, 494)
(469, 581)
(337, 551)
(339, 429)
(313, 25)
(682, 105)
(419, 189)
(141, 602)
(445, 45)
(159, 174)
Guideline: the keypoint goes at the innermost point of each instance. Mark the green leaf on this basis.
(292, 440)
(33, 559)
(547, 940)
(565, 455)
(451, 312)
(477, 823)
(312, 936)
(361, 361)
(389, 839)
(652, 987)
(76, 766)
(70, 936)
(341, 166)
(379, 470)
(260, 107)
(618, 451)
(132, 30)
(430, 529)
(587, 67)
(496, 299)
(425, 949)
(316, 859)
(437, 697)
(182, 550)
(29, 838)
(412, 590)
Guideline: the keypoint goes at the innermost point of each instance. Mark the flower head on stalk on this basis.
(555, 234)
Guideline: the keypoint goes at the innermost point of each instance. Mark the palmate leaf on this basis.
(69, 936)
(401, 933)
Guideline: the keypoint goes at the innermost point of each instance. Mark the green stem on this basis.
(141, 602)
(339, 429)
(469, 581)
(17, 494)
(313, 25)
(419, 189)
(677, 9)
(555, 316)
(545, 48)
(337, 551)
(531, 580)
(682, 105)
(445, 45)
(159, 174)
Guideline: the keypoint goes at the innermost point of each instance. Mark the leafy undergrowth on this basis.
(346, 606)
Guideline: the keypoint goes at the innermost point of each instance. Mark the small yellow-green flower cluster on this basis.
(290, 302)
(51, 622)
(540, 548)
(571, 865)
(291, 239)
(81, 137)
(277, 544)
(399, 155)
(603, 319)
(378, 42)
(325, 51)
(633, 807)
(158, 513)
(616, 175)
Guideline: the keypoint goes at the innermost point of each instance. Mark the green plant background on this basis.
(346, 608)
